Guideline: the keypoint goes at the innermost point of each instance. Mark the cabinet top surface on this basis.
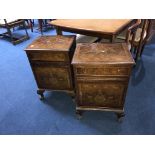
(99, 53)
(53, 43)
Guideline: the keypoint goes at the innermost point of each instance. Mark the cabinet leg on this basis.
(79, 114)
(73, 99)
(58, 31)
(120, 116)
(72, 94)
(40, 92)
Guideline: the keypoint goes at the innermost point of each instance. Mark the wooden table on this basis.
(102, 28)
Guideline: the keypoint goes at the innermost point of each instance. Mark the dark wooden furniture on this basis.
(44, 24)
(11, 24)
(30, 23)
(137, 35)
(102, 72)
(146, 35)
(50, 58)
(102, 28)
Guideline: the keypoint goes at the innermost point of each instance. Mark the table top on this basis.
(99, 53)
(111, 26)
(53, 43)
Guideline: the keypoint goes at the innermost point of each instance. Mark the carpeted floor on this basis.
(21, 111)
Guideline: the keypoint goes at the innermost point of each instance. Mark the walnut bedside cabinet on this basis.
(102, 72)
(50, 60)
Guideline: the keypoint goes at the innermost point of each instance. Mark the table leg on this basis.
(40, 22)
(112, 39)
(58, 31)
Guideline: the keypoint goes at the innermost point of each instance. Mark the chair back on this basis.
(131, 33)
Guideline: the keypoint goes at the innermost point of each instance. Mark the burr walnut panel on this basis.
(53, 77)
(101, 94)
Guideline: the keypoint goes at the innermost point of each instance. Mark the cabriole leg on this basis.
(79, 114)
(120, 116)
(40, 92)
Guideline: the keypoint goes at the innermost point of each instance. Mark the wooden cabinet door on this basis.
(101, 93)
(49, 76)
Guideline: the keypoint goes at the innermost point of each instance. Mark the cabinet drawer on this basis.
(48, 56)
(104, 71)
(101, 93)
(53, 77)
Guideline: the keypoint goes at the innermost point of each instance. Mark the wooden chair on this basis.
(30, 23)
(138, 37)
(43, 23)
(11, 24)
(148, 30)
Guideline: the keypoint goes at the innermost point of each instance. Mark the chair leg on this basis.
(32, 21)
(31, 25)
(140, 53)
(137, 53)
(40, 22)
(135, 49)
(10, 35)
(25, 29)
(132, 50)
